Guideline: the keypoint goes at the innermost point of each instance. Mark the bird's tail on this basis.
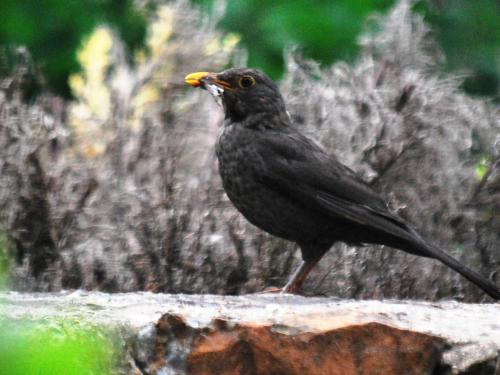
(482, 282)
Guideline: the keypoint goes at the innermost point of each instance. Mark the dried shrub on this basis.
(408, 129)
(119, 190)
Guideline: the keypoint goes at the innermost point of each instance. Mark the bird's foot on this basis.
(282, 291)
(291, 289)
(271, 289)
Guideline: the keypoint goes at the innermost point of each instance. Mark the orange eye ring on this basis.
(246, 82)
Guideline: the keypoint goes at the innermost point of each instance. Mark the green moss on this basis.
(54, 348)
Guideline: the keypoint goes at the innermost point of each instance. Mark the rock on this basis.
(368, 349)
(273, 334)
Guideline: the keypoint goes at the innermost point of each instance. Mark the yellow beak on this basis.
(194, 79)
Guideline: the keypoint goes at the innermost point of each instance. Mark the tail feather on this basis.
(482, 282)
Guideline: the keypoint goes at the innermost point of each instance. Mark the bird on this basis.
(287, 185)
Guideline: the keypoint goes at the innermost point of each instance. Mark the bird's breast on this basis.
(239, 164)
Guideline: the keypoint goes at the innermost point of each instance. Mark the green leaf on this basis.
(482, 167)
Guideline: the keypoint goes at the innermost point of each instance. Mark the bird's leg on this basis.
(295, 282)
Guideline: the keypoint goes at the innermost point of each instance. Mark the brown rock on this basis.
(365, 349)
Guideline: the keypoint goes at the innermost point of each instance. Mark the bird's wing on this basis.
(298, 168)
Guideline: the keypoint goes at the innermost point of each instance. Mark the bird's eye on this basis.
(246, 81)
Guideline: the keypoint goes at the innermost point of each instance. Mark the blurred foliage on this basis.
(326, 31)
(468, 31)
(54, 348)
(107, 158)
(92, 107)
(105, 73)
(52, 30)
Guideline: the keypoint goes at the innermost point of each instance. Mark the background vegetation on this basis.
(118, 189)
(326, 31)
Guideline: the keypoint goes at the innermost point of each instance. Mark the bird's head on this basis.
(244, 92)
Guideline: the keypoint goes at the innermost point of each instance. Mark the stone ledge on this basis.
(273, 334)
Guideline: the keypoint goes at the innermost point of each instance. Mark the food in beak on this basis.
(212, 88)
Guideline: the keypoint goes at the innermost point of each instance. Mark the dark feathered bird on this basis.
(287, 185)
